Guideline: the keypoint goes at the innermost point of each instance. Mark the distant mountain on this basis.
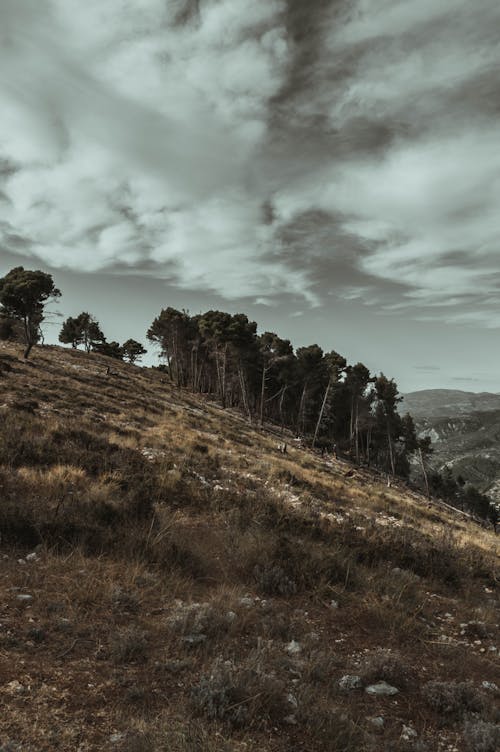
(432, 403)
(465, 432)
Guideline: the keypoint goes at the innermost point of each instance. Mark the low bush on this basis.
(453, 700)
(240, 695)
(386, 665)
(481, 736)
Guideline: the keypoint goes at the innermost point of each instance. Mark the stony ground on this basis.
(171, 581)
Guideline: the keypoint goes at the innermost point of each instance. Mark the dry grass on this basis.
(179, 555)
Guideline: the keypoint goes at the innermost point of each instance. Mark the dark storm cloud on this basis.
(343, 149)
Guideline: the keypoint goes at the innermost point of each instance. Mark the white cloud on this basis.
(135, 138)
(143, 142)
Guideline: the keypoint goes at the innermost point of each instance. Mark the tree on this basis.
(312, 379)
(111, 349)
(214, 327)
(356, 382)
(82, 330)
(23, 295)
(388, 419)
(274, 354)
(133, 350)
(71, 332)
(172, 330)
(424, 452)
(335, 365)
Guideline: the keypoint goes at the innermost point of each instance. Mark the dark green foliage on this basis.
(10, 329)
(82, 330)
(23, 295)
(111, 349)
(316, 394)
(133, 350)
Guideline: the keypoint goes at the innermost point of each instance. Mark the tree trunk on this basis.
(281, 407)
(391, 453)
(262, 392)
(28, 337)
(244, 392)
(320, 416)
(300, 417)
(424, 471)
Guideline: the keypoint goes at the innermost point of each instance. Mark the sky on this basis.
(330, 167)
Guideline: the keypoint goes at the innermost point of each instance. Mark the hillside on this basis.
(465, 432)
(447, 403)
(172, 581)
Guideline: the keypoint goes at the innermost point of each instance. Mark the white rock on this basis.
(24, 598)
(381, 688)
(334, 604)
(246, 601)
(293, 648)
(32, 557)
(408, 733)
(350, 681)
(377, 721)
(489, 685)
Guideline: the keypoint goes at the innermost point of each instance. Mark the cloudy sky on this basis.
(330, 167)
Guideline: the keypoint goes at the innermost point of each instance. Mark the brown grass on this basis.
(157, 517)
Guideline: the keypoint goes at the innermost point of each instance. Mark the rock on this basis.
(15, 688)
(349, 682)
(378, 721)
(194, 639)
(381, 688)
(32, 557)
(24, 598)
(491, 686)
(246, 601)
(408, 733)
(293, 648)
(334, 604)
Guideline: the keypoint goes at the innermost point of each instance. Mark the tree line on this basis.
(313, 393)
(317, 395)
(23, 297)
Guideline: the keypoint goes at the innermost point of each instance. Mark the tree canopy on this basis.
(23, 296)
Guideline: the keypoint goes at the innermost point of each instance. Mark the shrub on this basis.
(129, 645)
(480, 736)
(329, 729)
(240, 695)
(272, 579)
(453, 700)
(383, 664)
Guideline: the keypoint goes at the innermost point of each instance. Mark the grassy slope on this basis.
(143, 501)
